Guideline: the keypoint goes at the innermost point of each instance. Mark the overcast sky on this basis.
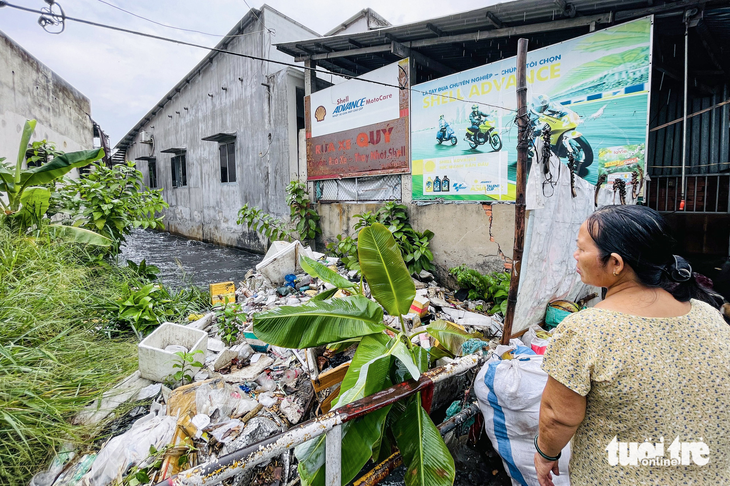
(125, 75)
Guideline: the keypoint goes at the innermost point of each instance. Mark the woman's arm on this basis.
(561, 412)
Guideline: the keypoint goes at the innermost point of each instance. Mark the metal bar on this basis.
(346, 53)
(704, 199)
(684, 125)
(236, 462)
(717, 194)
(691, 115)
(333, 457)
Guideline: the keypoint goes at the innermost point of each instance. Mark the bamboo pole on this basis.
(522, 144)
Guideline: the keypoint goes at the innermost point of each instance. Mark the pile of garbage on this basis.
(230, 396)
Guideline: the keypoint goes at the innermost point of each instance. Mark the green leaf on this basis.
(317, 270)
(358, 439)
(449, 335)
(325, 295)
(437, 352)
(59, 167)
(420, 358)
(79, 235)
(374, 351)
(28, 130)
(319, 322)
(36, 200)
(382, 266)
(427, 459)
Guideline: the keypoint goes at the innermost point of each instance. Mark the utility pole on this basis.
(522, 145)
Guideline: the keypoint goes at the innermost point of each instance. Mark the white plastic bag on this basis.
(129, 449)
(509, 393)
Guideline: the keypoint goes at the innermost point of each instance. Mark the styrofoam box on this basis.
(155, 363)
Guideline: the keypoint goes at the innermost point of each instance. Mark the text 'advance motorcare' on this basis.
(345, 106)
(541, 70)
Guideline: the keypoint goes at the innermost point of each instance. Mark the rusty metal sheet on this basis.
(381, 148)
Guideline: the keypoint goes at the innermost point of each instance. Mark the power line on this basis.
(172, 26)
(248, 56)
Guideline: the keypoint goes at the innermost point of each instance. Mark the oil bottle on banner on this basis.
(445, 184)
(429, 185)
(437, 184)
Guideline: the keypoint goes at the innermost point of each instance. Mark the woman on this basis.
(641, 382)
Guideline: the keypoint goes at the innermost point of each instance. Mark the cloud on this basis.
(125, 75)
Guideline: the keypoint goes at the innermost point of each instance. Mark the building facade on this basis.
(31, 90)
(226, 134)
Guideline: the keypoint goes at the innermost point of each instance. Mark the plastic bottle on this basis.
(445, 184)
(437, 185)
(429, 185)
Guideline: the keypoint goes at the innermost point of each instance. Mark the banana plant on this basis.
(385, 356)
(15, 181)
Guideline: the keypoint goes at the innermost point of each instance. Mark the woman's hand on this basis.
(544, 469)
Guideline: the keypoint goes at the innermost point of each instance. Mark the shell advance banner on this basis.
(358, 127)
(592, 91)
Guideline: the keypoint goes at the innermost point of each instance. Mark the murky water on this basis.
(183, 262)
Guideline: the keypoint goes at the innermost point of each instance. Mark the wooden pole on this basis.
(522, 145)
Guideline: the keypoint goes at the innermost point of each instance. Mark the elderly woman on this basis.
(641, 381)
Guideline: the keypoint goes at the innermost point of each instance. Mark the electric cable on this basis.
(248, 56)
(176, 28)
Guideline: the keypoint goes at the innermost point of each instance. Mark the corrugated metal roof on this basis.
(461, 41)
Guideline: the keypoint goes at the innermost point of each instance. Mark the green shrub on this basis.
(493, 287)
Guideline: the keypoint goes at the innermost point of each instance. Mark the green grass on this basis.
(53, 361)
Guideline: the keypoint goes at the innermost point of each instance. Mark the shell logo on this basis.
(319, 113)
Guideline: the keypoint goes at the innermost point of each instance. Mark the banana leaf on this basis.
(28, 130)
(358, 439)
(373, 351)
(316, 269)
(319, 322)
(59, 167)
(449, 335)
(325, 295)
(382, 266)
(420, 357)
(36, 200)
(79, 235)
(426, 457)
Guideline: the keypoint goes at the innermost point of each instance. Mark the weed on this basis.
(53, 360)
(185, 365)
(229, 322)
(303, 218)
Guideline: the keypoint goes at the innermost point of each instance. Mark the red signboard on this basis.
(375, 149)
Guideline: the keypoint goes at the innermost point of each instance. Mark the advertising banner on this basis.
(360, 128)
(592, 91)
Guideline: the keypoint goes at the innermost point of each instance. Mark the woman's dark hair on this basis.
(643, 239)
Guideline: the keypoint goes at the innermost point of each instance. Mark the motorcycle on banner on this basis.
(482, 131)
(445, 133)
(564, 138)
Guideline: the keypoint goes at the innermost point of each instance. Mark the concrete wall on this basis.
(30, 90)
(259, 105)
(478, 235)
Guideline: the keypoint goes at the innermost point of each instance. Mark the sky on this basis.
(125, 75)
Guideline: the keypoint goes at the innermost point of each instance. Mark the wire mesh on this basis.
(360, 189)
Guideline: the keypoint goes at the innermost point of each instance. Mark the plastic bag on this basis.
(509, 393)
(129, 449)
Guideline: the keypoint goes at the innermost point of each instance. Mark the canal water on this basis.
(183, 262)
